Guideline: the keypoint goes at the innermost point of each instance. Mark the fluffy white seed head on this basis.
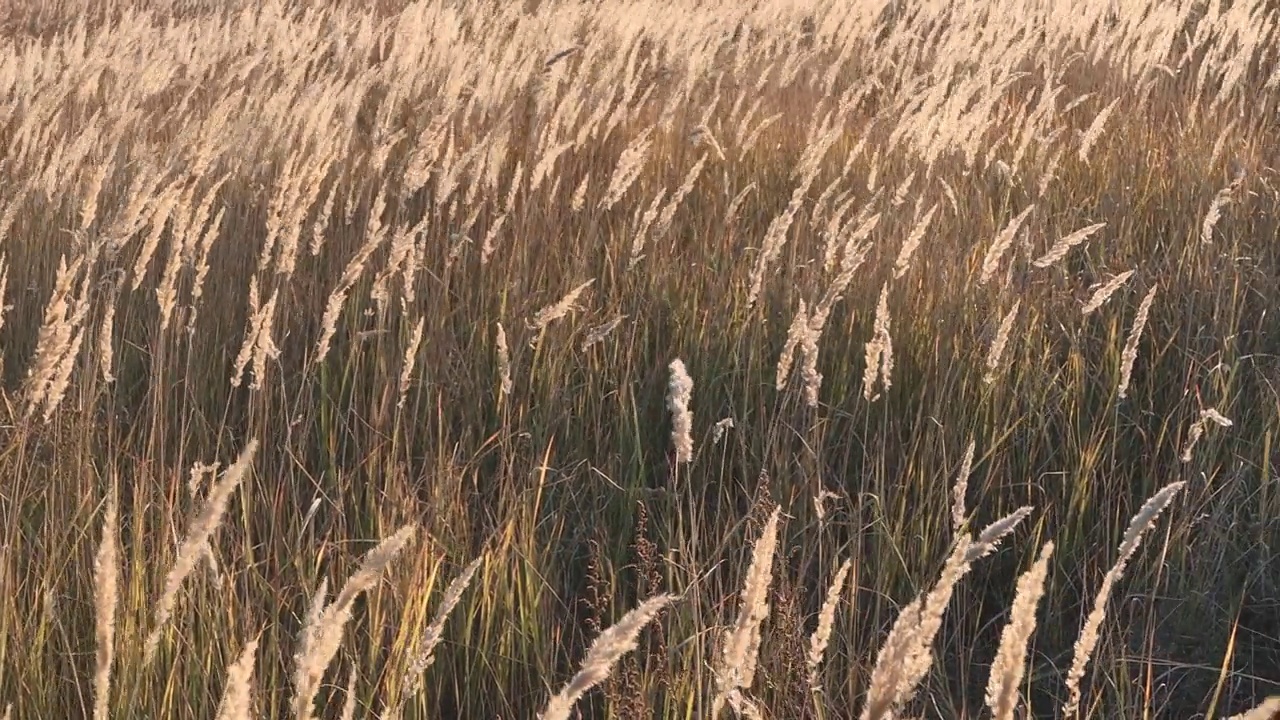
(1104, 293)
(679, 396)
(1009, 666)
(1063, 246)
(1001, 244)
(1130, 353)
(826, 621)
(736, 669)
(1089, 634)
(996, 352)
(618, 640)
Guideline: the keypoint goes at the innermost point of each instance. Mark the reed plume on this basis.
(736, 669)
(612, 644)
(196, 543)
(1089, 633)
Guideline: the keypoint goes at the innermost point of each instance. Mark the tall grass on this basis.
(491, 312)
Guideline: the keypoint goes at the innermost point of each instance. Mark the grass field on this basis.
(639, 359)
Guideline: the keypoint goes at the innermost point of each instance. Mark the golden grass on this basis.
(284, 281)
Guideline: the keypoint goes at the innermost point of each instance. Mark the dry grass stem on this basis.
(1212, 415)
(349, 701)
(1090, 137)
(992, 534)
(909, 246)
(597, 334)
(921, 223)
(579, 199)
(407, 365)
(557, 310)
(505, 385)
(879, 355)
(907, 654)
(960, 488)
(998, 344)
(1193, 437)
(106, 344)
(720, 428)
(54, 338)
(775, 238)
(322, 635)
(1207, 417)
(796, 335)
(1000, 245)
(1220, 200)
(1269, 709)
(891, 662)
(628, 169)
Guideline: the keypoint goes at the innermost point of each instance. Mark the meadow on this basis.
(639, 359)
